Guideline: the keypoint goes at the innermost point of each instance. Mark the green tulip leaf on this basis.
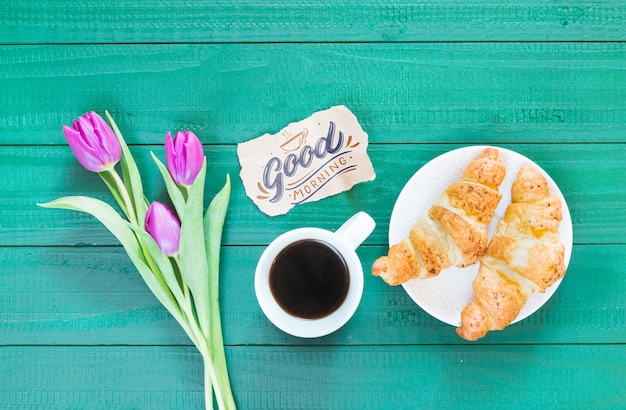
(110, 182)
(130, 173)
(176, 196)
(163, 263)
(124, 234)
(194, 267)
(213, 226)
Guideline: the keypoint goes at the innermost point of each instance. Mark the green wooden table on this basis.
(78, 327)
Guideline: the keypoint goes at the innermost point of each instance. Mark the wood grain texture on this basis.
(408, 92)
(80, 330)
(168, 21)
(271, 377)
(595, 196)
(93, 296)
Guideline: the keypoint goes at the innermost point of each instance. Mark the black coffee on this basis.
(309, 279)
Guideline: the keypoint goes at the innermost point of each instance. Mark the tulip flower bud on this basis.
(163, 225)
(184, 156)
(93, 142)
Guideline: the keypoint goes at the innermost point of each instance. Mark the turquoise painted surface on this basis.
(79, 329)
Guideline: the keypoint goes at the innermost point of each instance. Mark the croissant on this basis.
(524, 256)
(454, 232)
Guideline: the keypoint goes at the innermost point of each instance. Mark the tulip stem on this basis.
(185, 190)
(187, 305)
(183, 283)
(130, 210)
(211, 376)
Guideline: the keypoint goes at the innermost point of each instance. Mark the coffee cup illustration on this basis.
(294, 143)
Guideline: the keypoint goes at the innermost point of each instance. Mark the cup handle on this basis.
(356, 229)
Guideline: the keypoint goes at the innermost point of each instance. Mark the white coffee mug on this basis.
(344, 241)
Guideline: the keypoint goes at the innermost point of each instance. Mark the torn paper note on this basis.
(306, 161)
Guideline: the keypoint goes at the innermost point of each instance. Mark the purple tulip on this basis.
(93, 142)
(184, 156)
(163, 225)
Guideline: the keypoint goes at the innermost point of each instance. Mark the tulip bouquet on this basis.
(176, 251)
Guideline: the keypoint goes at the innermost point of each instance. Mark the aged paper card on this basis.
(306, 161)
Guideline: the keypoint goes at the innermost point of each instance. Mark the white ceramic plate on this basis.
(445, 295)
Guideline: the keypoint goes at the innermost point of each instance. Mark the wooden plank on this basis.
(407, 92)
(40, 21)
(337, 377)
(91, 296)
(588, 175)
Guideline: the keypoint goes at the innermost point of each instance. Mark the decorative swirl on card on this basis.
(306, 161)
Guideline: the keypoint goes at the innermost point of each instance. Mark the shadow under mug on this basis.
(344, 241)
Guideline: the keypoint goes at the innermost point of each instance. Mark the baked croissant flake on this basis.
(454, 231)
(525, 256)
